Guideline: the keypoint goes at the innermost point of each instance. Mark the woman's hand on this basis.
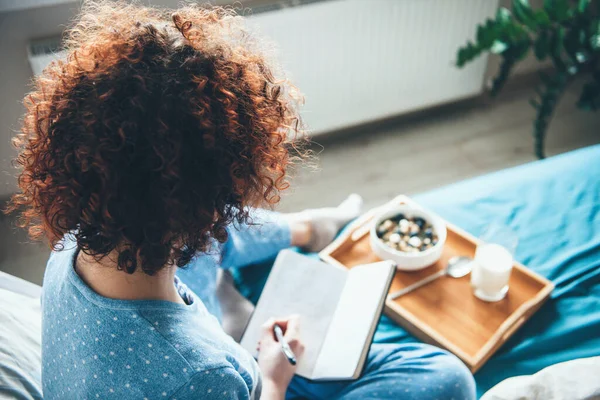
(276, 369)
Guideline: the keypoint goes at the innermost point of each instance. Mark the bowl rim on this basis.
(390, 211)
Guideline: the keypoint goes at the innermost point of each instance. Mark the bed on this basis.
(554, 205)
(20, 339)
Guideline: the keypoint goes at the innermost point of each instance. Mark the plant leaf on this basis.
(503, 16)
(582, 6)
(486, 34)
(467, 53)
(556, 48)
(505, 68)
(557, 10)
(524, 13)
(498, 47)
(571, 44)
(542, 46)
(595, 42)
(542, 19)
(581, 56)
(521, 49)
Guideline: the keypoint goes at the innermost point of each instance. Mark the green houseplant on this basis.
(566, 32)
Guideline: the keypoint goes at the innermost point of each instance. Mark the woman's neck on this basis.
(106, 280)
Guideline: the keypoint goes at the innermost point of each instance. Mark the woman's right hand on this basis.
(276, 369)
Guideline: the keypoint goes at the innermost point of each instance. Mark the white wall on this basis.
(17, 28)
(360, 61)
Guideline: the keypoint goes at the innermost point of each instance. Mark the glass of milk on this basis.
(493, 263)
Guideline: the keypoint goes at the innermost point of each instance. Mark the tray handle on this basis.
(514, 328)
(511, 325)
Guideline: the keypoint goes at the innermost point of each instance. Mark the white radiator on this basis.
(358, 61)
(362, 60)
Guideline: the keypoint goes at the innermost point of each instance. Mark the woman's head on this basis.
(157, 131)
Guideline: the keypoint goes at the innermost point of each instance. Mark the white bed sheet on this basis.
(20, 286)
(20, 339)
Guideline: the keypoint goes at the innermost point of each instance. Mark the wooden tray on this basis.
(445, 312)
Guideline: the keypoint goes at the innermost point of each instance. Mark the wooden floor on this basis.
(437, 147)
(409, 155)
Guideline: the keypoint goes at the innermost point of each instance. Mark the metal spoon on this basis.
(457, 267)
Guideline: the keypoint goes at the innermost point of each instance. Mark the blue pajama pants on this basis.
(397, 371)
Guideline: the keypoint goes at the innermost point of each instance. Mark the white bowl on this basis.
(409, 261)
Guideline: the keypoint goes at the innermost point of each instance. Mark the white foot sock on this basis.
(326, 222)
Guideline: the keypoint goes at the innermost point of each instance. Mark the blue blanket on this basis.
(554, 205)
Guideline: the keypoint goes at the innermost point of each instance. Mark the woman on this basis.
(142, 155)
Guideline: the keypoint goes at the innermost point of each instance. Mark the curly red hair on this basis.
(158, 131)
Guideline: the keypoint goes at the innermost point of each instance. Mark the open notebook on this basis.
(339, 310)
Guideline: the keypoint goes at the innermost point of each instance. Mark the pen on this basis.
(285, 347)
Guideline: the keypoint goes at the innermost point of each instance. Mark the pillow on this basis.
(20, 346)
(18, 285)
(573, 380)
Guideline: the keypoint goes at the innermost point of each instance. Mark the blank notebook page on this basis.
(357, 312)
(303, 286)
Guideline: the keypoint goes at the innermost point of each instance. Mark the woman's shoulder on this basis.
(93, 343)
(151, 348)
(199, 339)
